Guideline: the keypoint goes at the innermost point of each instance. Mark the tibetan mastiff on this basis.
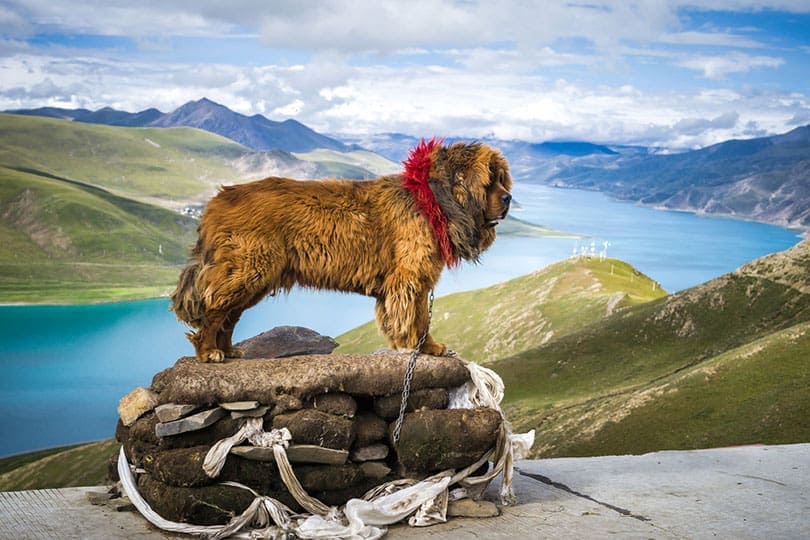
(388, 238)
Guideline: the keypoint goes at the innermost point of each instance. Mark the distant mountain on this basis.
(529, 162)
(723, 363)
(765, 179)
(255, 132)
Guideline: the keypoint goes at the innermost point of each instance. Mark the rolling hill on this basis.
(90, 212)
(499, 321)
(724, 363)
(64, 241)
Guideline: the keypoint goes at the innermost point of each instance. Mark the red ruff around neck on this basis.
(415, 179)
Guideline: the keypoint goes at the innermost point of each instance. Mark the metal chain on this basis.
(406, 386)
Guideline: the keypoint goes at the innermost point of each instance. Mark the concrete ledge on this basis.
(744, 492)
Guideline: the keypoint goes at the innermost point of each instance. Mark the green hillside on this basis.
(89, 212)
(76, 466)
(523, 313)
(63, 241)
(720, 364)
(358, 159)
(149, 164)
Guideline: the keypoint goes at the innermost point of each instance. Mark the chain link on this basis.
(406, 386)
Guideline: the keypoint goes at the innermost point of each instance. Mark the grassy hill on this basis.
(362, 159)
(721, 364)
(64, 241)
(523, 313)
(75, 466)
(147, 164)
(89, 212)
(169, 167)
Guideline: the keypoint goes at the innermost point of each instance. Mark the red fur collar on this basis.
(415, 179)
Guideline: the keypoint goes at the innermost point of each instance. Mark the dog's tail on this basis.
(186, 300)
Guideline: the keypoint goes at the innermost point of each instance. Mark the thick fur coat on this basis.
(368, 237)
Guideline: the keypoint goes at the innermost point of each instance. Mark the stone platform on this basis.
(746, 492)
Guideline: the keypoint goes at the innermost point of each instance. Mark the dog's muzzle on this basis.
(506, 200)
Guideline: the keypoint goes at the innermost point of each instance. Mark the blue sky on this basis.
(661, 73)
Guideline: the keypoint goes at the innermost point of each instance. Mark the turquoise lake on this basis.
(66, 367)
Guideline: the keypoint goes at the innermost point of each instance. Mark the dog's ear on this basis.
(499, 171)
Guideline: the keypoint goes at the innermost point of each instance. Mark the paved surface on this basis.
(736, 493)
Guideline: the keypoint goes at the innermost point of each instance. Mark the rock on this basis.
(472, 509)
(169, 412)
(428, 398)
(296, 453)
(328, 478)
(189, 423)
(303, 377)
(370, 453)
(239, 405)
(222, 428)
(99, 498)
(286, 341)
(335, 403)
(309, 426)
(133, 405)
(374, 470)
(252, 413)
(369, 428)
(447, 439)
(139, 439)
(181, 467)
(206, 505)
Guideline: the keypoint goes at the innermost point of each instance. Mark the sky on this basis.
(670, 74)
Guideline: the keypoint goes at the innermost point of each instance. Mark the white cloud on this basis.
(524, 69)
(719, 67)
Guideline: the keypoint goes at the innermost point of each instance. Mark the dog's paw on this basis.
(234, 352)
(434, 349)
(214, 356)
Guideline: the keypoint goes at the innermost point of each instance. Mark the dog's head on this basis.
(471, 183)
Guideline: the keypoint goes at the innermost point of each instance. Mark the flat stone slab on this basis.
(270, 381)
(253, 413)
(747, 492)
(296, 453)
(168, 412)
(239, 405)
(194, 422)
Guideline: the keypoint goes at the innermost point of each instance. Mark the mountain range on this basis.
(255, 132)
(764, 179)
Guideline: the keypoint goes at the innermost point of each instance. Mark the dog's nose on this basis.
(506, 198)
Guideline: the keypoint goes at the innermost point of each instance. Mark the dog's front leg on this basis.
(403, 317)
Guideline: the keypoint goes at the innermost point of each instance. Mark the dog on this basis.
(388, 238)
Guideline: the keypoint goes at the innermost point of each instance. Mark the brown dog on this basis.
(388, 238)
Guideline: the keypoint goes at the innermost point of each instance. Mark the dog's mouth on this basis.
(493, 222)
